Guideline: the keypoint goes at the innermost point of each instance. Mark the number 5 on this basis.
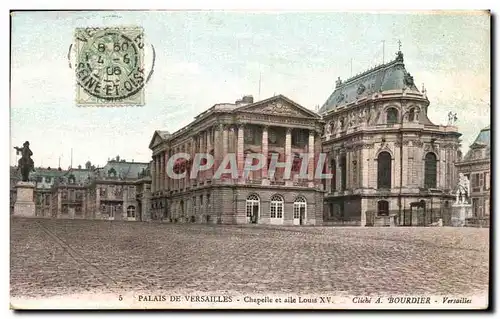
(120, 298)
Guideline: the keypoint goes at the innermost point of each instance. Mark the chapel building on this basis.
(391, 164)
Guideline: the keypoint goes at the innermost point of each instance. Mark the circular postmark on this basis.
(109, 64)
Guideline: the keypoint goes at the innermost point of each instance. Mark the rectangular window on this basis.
(273, 210)
(249, 209)
(279, 211)
(475, 180)
(208, 200)
(201, 200)
(486, 181)
(475, 206)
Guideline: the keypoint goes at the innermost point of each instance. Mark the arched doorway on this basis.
(276, 209)
(131, 212)
(300, 211)
(253, 209)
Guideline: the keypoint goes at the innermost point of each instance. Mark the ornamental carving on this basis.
(408, 79)
(340, 97)
(279, 108)
(361, 89)
(431, 147)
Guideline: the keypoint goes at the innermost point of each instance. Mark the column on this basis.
(162, 168)
(240, 150)
(405, 166)
(310, 166)
(338, 173)
(165, 174)
(397, 163)
(225, 142)
(218, 132)
(442, 168)
(158, 173)
(209, 148)
(153, 175)
(193, 153)
(328, 182)
(288, 152)
(265, 151)
(201, 149)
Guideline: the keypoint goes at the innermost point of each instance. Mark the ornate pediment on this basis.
(279, 106)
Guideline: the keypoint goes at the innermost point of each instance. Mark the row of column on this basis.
(202, 142)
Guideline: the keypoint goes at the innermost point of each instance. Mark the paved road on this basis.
(62, 256)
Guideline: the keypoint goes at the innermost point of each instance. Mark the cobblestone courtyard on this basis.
(52, 257)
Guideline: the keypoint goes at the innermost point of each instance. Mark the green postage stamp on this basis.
(110, 66)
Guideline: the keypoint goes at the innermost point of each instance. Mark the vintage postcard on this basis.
(277, 160)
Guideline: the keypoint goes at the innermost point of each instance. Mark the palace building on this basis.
(273, 127)
(476, 165)
(391, 164)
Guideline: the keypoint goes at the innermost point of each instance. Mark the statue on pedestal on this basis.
(25, 163)
(463, 189)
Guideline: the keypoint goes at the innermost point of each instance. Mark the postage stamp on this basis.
(110, 66)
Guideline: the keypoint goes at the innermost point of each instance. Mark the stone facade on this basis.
(476, 166)
(117, 191)
(273, 126)
(391, 164)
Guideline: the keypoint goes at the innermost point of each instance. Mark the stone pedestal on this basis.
(24, 205)
(460, 212)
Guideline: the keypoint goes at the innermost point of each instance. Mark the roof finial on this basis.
(399, 44)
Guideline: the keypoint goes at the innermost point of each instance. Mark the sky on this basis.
(204, 58)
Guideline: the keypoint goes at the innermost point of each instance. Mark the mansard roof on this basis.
(122, 169)
(385, 77)
(482, 141)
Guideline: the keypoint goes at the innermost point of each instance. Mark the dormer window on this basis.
(112, 172)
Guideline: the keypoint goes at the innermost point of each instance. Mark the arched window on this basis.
(383, 208)
(131, 211)
(277, 206)
(430, 170)
(253, 208)
(384, 169)
(411, 115)
(392, 116)
(300, 208)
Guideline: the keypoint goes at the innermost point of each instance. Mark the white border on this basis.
(257, 5)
